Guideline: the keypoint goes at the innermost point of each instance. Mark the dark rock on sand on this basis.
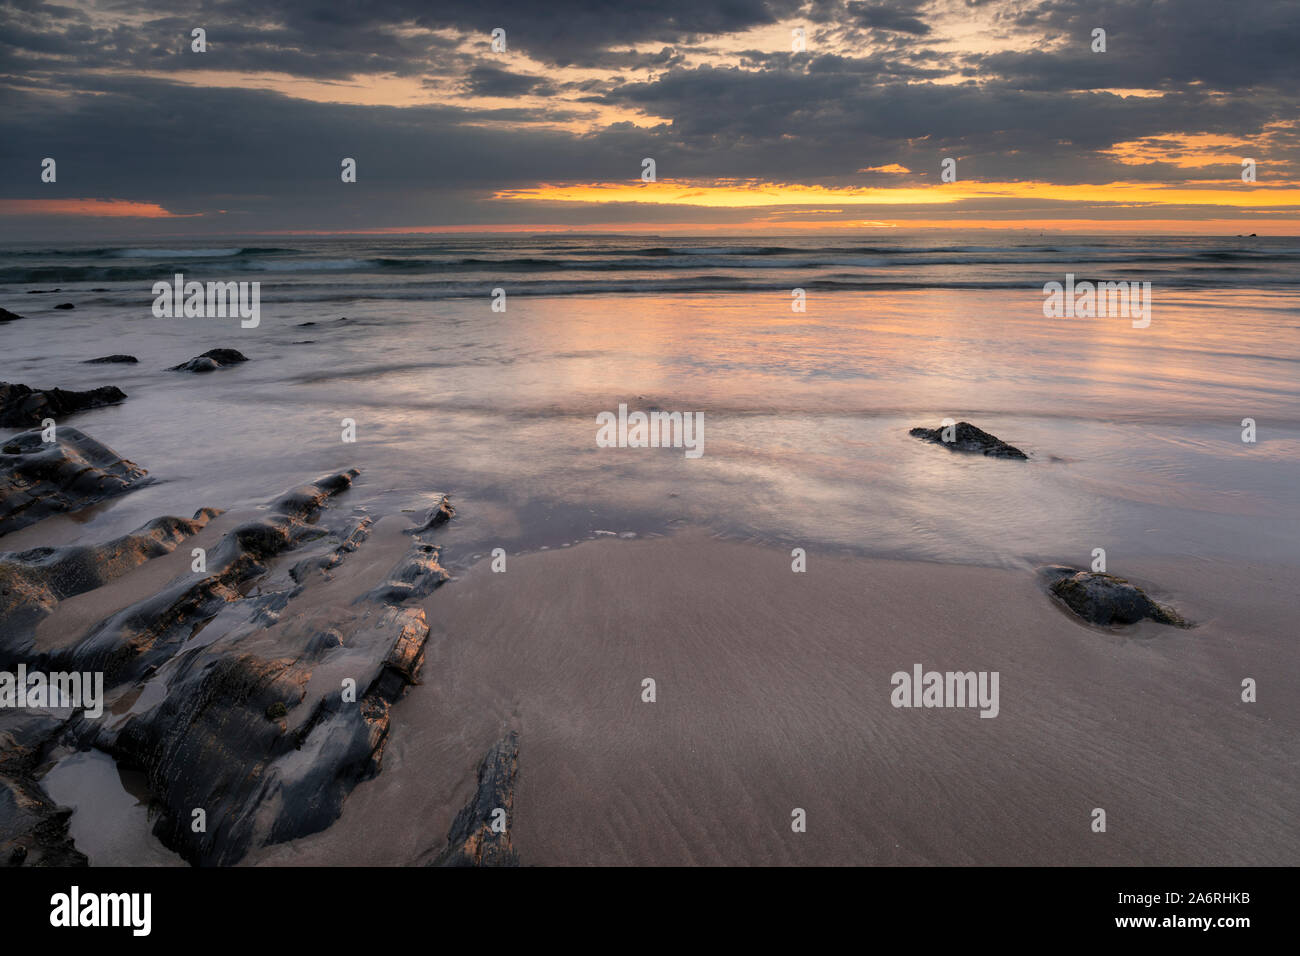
(968, 438)
(472, 840)
(417, 575)
(33, 582)
(25, 407)
(266, 773)
(144, 634)
(327, 560)
(39, 479)
(112, 360)
(65, 306)
(438, 515)
(1105, 599)
(245, 723)
(210, 361)
(7, 316)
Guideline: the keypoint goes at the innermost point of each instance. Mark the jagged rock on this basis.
(438, 515)
(33, 582)
(223, 720)
(209, 744)
(65, 306)
(25, 407)
(968, 438)
(472, 840)
(38, 479)
(112, 360)
(143, 634)
(1105, 599)
(326, 562)
(7, 316)
(417, 575)
(211, 360)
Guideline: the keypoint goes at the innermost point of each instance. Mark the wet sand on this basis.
(773, 693)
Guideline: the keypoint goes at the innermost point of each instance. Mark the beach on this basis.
(496, 580)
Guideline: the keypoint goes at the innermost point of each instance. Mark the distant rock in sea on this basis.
(211, 360)
(7, 316)
(65, 306)
(966, 437)
(24, 407)
(1105, 599)
(112, 360)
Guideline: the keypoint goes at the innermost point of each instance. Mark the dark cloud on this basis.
(490, 81)
(899, 17)
(72, 87)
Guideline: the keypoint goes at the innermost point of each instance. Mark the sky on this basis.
(748, 134)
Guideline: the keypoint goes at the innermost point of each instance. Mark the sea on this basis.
(478, 367)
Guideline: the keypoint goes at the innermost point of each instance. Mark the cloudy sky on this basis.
(748, 135)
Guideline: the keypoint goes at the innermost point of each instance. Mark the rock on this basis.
(7, 316)
(226, 713)
(324, 642)
(328, 560)
(112, 360)
(472, 841)
(25, 407)
(417, 575)
(39, 479)
(1105, 599)
(968, 438)
(438, 515)
(219, 741)
(33, 582)
(210, 361)
(146, 633)
(65, 306)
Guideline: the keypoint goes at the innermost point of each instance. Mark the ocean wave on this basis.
(199, 253)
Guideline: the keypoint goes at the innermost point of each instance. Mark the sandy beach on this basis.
(426, 637)
(774, 694)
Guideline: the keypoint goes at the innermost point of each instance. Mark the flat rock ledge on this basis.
(1104, 599)
(966, 437)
